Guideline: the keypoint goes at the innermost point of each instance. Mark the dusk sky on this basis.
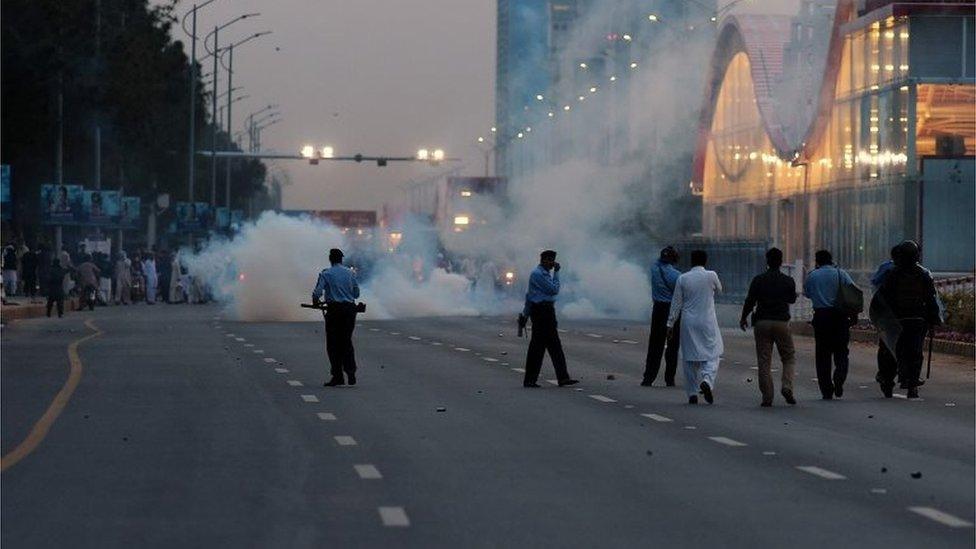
(371, 76)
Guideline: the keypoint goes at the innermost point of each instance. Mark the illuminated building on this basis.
(881, 150)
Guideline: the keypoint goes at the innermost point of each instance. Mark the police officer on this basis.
(540, 307)
(338, 288)
(664, 275)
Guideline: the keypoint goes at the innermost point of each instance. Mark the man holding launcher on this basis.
(338, 289)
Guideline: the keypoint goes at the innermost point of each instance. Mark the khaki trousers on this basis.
(767, 333)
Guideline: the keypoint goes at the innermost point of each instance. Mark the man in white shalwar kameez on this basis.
(701, 339)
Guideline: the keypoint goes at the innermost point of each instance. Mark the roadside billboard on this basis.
(100, 207)
(129, 214)
(193, 216)
(61, 204)
(5, 204)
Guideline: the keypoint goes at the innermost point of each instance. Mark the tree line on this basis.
(116, 65)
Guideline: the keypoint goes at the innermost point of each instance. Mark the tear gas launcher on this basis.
(360, 307)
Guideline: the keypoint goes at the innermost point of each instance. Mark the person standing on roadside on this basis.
(540, 306)
(10, 270)
(123, 279)
(771, 294)
(701, 339)
(152, 278)
(29, 264)
(337, 287)
(664, 276)
(831, 325)
(55, 287)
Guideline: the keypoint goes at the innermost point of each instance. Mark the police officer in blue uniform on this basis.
(540, 307)
(338, 288)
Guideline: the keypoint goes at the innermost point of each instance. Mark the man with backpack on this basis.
(833, 315)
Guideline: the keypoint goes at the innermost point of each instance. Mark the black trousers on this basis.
(658, 341)
(909, 351)
(30, 286)
(545, 337)
(340, 321)
(831, 333)
(887, 365)
(51, 300)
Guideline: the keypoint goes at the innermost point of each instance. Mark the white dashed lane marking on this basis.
(521, 370)
(239, 339)
(628, 341)
(294, 383)
(415, 338)
(394, 516)
(690, 427)
(462, 349)
(269, 360)
(489, 359)
(374, 329)
(249, 345)
(326, 416)
(259, 351)
(344, 440)
(552, 381)
(436, 343)
(879, 491)
(394, 333)
(596, 336)
(602, 398)
(822, 473)
(367, 472)
(231, 335)
(941, 517)
(310, 398)
(655, 417)
(727, 441)
(769, 453)
(281, 370)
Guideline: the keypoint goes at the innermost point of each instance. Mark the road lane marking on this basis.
(822, 473)
(258, 351)
(43, 425)
(310, 398)
(394, 333)
(504, 364)
(521, 370)
(326, 416)
(269, 360)
(602, 398)
(231, 335)
(901, 396)
(249, 345)
(436, 343)
(394, 516)
(489, 359)
(344, 440)
(596, 336)
(462, 349)
(552, 381)
(656, 417)
(941, 517)
(690, 427)
(281, 370)
(415, 338)
(294, 383)
(239, 339)
(628, 341)
(727, 441)
(367, 471)
(374, 329)
(879, 490)
(769, 453)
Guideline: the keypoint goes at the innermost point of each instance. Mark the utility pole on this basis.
(193, 105)
(214, 121)
(230, 93)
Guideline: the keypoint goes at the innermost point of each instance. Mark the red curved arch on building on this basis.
(762, 38)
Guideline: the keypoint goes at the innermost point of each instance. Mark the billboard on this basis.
(100, 207)
(193, 216)
(129, 214)
(61, 204)
(5, 191)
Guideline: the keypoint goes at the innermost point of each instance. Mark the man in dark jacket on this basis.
(909, 291)
(771, 293)
(55, 287)
(28, 267)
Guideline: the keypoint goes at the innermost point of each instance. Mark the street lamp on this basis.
(192, 32)
(213, 137)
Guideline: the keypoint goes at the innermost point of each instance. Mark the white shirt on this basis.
(694, 301)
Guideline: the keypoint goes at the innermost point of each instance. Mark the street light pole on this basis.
(214, 121)
(230, 86)
(193, 96)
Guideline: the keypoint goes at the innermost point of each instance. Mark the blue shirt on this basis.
(821, 285)
(880, 274)
(663, 278)
(336, 284)
(543, 286)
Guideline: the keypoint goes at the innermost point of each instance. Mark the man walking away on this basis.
(123, 279)
(29, 263)
(910, 292)
(338, 288)
(831, 325)
(55, 287)
(541, 308)
(88, 273)
(701, 340)
(771, 294)
(664, 275)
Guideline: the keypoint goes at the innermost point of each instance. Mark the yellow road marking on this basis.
(43, 425)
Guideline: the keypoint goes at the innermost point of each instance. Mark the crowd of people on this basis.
(97, 278)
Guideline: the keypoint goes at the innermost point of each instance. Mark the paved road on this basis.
(188, 429)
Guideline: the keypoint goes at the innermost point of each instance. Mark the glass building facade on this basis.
(888, 156)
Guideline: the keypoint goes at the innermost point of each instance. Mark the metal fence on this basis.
(735, 261)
